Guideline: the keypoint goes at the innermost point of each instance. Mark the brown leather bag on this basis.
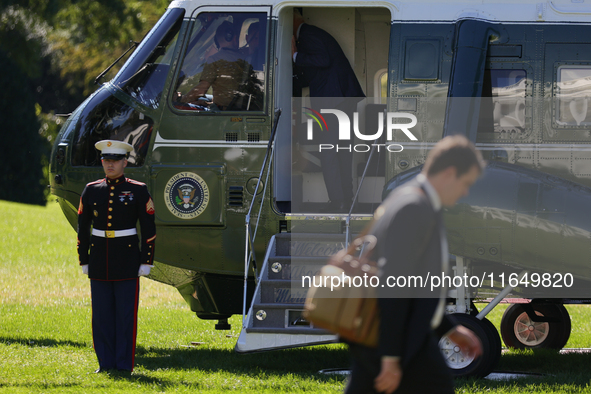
(349, 311)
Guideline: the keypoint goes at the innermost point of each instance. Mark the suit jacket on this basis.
(115, 204)
(322, 65)
(409, 238)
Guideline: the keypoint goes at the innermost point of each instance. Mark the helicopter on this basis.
(237, 184)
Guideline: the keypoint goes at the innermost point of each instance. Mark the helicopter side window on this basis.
(105, 117)
(508, 93)
(573, 98)
(224, 64)
(504, 102)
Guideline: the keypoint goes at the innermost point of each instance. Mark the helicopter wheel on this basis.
(495, 339)
(565, 323)
(520, 332)
(462, 365)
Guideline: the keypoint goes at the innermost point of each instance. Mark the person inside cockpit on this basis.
(228, 72)
(223, 70)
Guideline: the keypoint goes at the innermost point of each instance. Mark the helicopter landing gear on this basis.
(223, 324)
(536, 325)
(467, 315)
(463, 365)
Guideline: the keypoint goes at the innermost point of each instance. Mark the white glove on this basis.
(84, 269)
(144, 270)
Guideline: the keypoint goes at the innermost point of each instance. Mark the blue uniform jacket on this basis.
(115, 204)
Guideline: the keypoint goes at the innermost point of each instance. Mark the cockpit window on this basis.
(224, 64)
(105, 117)
(144, 74)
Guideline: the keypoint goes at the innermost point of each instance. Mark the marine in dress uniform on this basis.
(112, 255)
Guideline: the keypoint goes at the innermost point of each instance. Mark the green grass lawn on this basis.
(46, 342)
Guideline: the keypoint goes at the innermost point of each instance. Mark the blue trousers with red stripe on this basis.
(114, 322)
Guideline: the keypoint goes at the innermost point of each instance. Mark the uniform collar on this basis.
(430, 191)
(116, 181)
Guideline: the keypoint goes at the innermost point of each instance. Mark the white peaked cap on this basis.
(113, 148)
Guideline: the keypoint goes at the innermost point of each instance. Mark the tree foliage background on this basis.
(50, 53)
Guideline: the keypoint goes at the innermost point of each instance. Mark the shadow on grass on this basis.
(41, 342)
(557, 371)
(545, 361)
(302, 362)
(136, 378)
(560, 370)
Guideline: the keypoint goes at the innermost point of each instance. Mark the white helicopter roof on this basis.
(434, 10)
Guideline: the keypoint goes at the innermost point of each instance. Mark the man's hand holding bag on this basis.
(350, 309)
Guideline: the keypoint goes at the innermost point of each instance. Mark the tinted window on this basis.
(572, 94)
(508, 93)
(503, 102)
(105, 117)
(144, 74)
(224, 65)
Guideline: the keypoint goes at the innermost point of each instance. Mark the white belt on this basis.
(114, 233)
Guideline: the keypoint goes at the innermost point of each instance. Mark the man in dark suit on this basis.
(319, 62)
(411, 241)
(112, 255)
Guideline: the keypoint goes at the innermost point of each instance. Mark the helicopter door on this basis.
(215, 129)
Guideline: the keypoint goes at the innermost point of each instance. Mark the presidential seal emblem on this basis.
(186, 195)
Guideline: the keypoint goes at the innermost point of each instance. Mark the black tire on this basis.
(520, 332)
(564, 332)
(461, 365)
(495, 343)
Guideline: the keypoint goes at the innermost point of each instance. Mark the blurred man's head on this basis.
(452, 166)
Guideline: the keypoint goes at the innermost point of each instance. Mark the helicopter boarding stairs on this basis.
(274, 319)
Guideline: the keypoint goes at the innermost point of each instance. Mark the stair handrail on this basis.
(348, 219)
(249, 242)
